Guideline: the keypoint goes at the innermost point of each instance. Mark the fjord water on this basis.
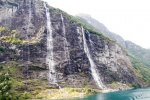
(133, 94)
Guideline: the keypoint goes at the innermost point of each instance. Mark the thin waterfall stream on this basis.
(50, 56)
(92, 64)
(65, 41)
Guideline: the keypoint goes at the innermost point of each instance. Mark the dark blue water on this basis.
(134, 94)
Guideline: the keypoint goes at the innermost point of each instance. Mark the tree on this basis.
(5, 86)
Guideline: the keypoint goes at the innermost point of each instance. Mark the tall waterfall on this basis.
(92, 64)
(27, 35)
(65, 41)
(49, 58)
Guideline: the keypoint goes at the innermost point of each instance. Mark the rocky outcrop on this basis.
(112, 63)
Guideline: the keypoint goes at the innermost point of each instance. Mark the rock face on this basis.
(112, 63)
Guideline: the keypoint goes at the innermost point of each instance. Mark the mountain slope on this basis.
(141, 70)
(43, 48)
(143, 55)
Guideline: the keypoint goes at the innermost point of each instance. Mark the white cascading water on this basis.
(92, 64)
(49, 58)
(65, 41)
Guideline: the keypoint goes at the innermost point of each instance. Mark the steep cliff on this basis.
(59, 51)
(137, 53)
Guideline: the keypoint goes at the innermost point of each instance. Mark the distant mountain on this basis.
(140, 53)
(101, 28)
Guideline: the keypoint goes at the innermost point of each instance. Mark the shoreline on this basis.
(70, 93)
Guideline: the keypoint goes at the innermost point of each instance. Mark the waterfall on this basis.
(65, 41)
(92, 64)
(27, 36)
(49, 58)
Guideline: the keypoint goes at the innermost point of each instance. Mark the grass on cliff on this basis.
(10, 82)
(14, 86)
(10, 36)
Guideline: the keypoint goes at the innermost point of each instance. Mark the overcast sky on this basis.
(128, 18)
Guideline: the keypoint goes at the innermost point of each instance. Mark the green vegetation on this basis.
(7, 31)
(141, 70)
(2, 49)
(11, 83)
(65, 93)
(9, 36)
(11, 40)
(6, 83)
(80, 23)
(141, 54)
(13, 86)
(5, 86)
(140, 58)
(135, 85)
